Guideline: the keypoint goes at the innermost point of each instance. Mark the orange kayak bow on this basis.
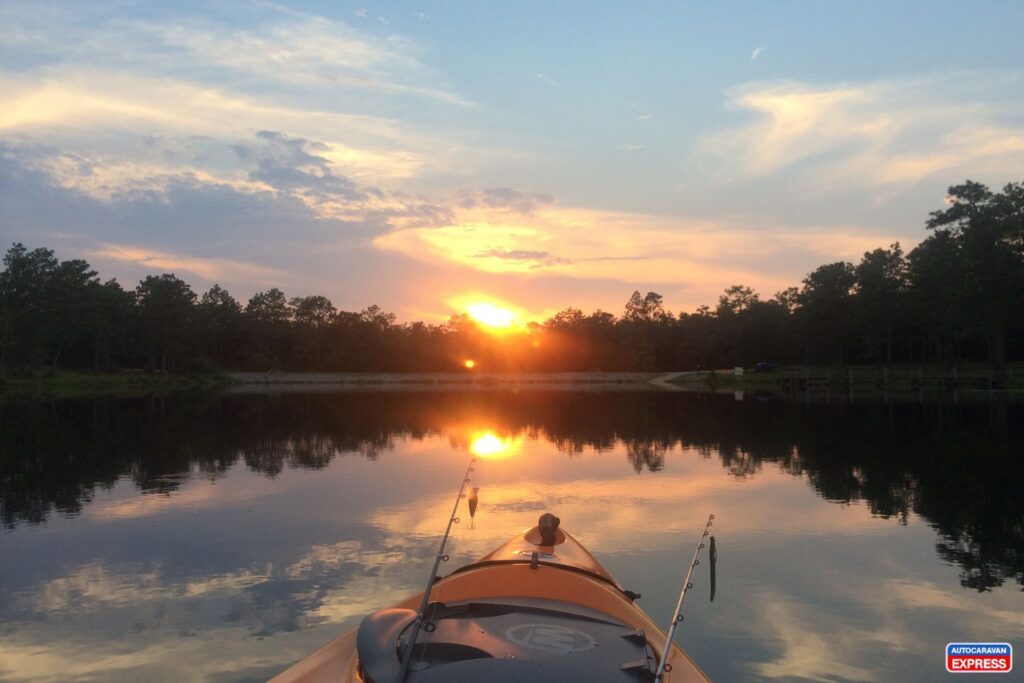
(540, 608)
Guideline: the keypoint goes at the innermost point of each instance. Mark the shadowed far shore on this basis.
(796, 380)
(441, 377)
(784, 380)
(70, 383)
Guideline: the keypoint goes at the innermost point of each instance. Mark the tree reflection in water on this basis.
(960, 466)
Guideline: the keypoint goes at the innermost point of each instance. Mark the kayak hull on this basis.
(520, 570)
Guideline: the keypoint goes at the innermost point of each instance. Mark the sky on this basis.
(538, 155)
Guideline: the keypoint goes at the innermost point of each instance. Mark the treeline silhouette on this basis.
(958, 296)
(900, 458)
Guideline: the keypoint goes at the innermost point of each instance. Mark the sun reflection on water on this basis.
(492, 447)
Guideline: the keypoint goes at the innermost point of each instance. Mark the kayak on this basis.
(540, 608)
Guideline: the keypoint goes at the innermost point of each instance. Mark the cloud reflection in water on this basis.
(227, 550)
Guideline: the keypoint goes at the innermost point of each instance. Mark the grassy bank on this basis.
(128, 383)
(860, 378)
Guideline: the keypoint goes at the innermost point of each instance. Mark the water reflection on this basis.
(956, 465)
(178, 534)
(489, 446)
(472, 503)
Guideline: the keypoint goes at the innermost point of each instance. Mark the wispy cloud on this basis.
(125, 119)
(883, 133)
(306, 49)
(287, 47)
(210, 269)
(700, 257)
(547, 80)
(505, 198)
(756, 53)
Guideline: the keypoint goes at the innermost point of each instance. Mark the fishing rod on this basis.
(438, 559)
(677, 616)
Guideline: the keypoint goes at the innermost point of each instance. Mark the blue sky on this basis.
(538, 155)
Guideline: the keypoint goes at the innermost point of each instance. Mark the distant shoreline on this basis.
(70, 384)
(135, 383)
(787, 381)
(440, 377)
(859, 379)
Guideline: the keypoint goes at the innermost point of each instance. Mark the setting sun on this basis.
(492, 316)
(470, 364)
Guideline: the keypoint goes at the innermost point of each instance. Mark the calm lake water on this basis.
(220, 538)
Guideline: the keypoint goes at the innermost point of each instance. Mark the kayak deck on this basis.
(524, 612)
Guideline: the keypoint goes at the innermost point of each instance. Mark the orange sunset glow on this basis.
(519, 192)
(493, 318)
(490, 446)
(366, 341)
